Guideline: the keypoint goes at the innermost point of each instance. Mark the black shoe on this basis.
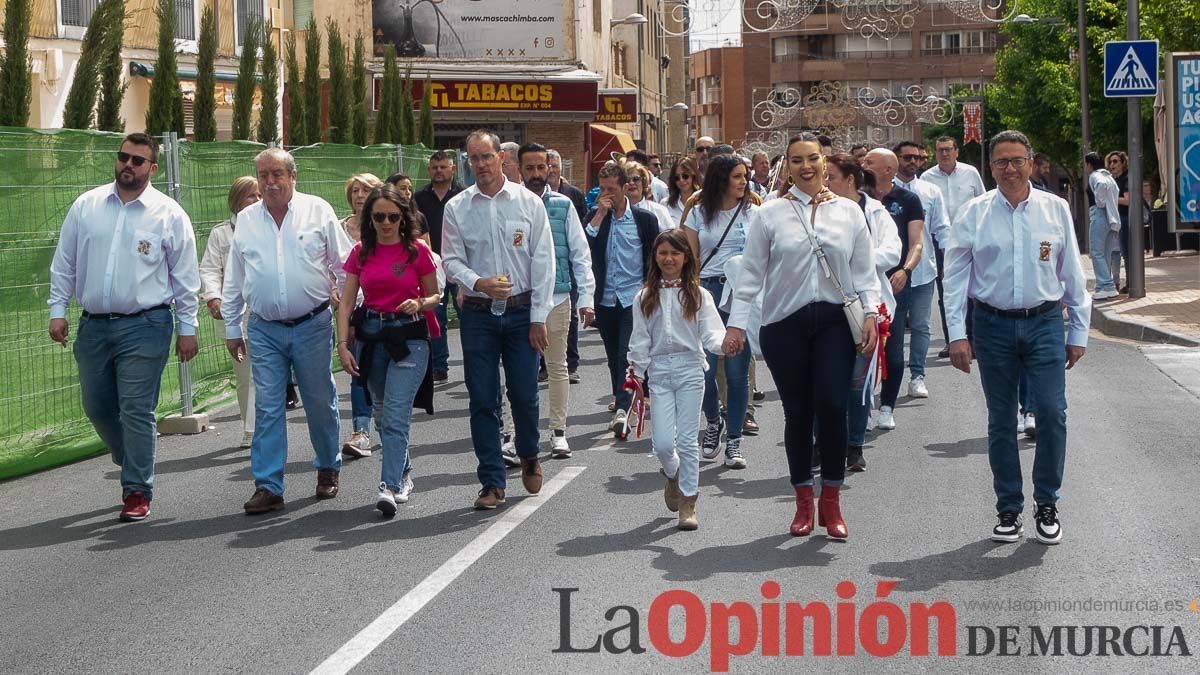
(543, 376)
(759, 396)
(945, 353)
(293, 401)
(1008, 527)
(1048, 529)
(573, 377)
(854, 459)
(441, 375)
(1124, 290)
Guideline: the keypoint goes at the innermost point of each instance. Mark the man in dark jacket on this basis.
(622, 241)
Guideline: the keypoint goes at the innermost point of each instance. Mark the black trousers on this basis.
(811, 357)
(616, 325)
(573, 334)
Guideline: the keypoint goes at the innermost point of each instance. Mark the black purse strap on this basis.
(725, 234)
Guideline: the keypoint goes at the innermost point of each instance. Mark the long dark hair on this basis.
(689, 290)
(716, 184)
(803, 136)
(366, 225)
(674, 195)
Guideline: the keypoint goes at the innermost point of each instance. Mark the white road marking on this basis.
(369, 638)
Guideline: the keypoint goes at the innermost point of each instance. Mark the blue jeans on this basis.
(360, 408)
(858, 409)
(121, 363)
(1100, 242)
(920, 309)
(441, 345)
(488, 340)
(305, 349)
(737, 378)
(894, 352)
(393, 386)
(1006, 348)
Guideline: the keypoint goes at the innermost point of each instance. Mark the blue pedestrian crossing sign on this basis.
(1130, 68)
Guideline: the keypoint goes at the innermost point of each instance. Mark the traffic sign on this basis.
(1130, 68)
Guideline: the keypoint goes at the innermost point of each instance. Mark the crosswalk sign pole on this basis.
(1135, 254)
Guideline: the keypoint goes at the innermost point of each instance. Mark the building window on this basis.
(958, 42)
(79, 13)
(247, 11)
(302, 12)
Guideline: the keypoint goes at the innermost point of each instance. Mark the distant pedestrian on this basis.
(1104, 224)
(510, 167)
(404, 188)
(685, 180)
(431, 200)
(656, 190)
(126, 252)
(1118, 165)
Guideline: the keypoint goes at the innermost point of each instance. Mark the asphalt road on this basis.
(200, 587)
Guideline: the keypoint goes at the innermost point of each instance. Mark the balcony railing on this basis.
(956, 51)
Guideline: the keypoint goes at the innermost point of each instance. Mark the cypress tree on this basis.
(425, 135)
(408, 125)
(396, 102)
(358, 89)
(80, 106)
(312, 81)
(166, 100)
(268, 117)
(339, 88)
(204, 110)
(16, 77)
(243, 91)
(112, 89)
(384, 118)
(295, 98)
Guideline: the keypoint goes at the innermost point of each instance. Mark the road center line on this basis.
(361, 645)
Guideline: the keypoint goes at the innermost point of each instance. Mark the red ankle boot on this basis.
(829, 512)
(802, 524)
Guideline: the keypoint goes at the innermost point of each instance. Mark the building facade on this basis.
(714, 72)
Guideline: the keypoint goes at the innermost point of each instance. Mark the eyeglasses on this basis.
(704, 149)
(379, 217)
(910, 158)
(1002, 163)
(634, 179)
(125, 157)
(683, 176)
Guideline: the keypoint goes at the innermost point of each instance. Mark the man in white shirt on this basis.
(920, 301)
(1013, 253)
(497, 246)
(959, 184)
(282, 254)
(126, 252)
(1104, 224)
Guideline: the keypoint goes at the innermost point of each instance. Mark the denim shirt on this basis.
(624, 274)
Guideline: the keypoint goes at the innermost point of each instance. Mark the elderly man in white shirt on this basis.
(283, 253)
(1013, 253)
(498, 247)
(126, 252)
(1104, 226)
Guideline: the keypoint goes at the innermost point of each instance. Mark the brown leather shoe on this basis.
(489, 498)
(327, 483)
(531, 475)
(263, 501)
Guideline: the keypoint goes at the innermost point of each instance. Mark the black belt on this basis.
(1046, 306)
(391, 316)
(292, 323)
(115, 315)
(719, 280)
(519, 300)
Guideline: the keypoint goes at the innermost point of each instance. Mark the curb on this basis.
(1107, 323)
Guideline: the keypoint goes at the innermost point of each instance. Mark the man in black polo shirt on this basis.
(431, 201)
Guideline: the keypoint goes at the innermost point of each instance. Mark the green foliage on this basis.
(16, 78)
(408, 126)
(165, 112)
(312, 81)
(385, 117)
(339, 86)
(295, 117)
(243, 91)
(112, 67)
(204, 110)
(358, 89)
(268, 116)
(80, 106)
(425, 132)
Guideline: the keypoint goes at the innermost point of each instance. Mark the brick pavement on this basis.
(1170, 312)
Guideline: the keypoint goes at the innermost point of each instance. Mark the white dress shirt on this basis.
(885, 242)
(124, 258)
(937, 226)
(1016, 259)
(1105, 191)
(780, 260)
(508, 234)
(661, 213)
(580, 255)
(958, 187)
(212, 264)
(659, 190)
(281, 272)
(667, 332)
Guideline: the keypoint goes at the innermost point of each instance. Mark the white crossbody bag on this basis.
(852, 306)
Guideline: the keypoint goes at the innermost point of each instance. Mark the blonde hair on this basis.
(242, 187)
(367, 180)
(635, 167)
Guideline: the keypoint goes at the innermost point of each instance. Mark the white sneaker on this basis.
(559, 449)
(872, 420)
(1020, 424)
(1030, 428)
(508, 452)
(886, 420)
(916, 387)
(406, 488)
(386, 501)
(618, 421)
(358, 445)
(1104, 295)
(247, 439)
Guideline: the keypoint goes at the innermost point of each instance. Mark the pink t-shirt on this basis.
(388, 278)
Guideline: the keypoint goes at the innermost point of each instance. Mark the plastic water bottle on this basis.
(498, 306)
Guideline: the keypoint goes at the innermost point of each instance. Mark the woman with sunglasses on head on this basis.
(805, 336)
(685, 180)
(389, 350)
(637, 189)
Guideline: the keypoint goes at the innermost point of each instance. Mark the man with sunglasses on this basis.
(704, 146)
(126, 253)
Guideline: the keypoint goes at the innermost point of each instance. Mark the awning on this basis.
(607, 140)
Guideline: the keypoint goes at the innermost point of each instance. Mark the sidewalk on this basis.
(1170, 312)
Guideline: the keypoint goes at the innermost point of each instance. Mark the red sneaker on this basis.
(137, 507)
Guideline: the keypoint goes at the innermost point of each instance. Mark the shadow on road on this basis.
(959, 450)
(978, 561)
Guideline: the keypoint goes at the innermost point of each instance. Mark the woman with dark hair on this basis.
(716, 228)
(390, 352)
(404, 186)
(685, 180)
(800, 248)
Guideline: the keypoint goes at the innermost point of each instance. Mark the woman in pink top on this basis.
(389, 348)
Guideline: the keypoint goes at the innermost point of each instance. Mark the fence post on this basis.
(171, 152)
(399, 159)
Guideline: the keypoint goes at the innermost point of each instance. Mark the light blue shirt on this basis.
(124, 258)
(624, 254)
(937, 225)
(1016, 258)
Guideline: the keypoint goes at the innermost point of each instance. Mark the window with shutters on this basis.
(249, 11)
(302, 12)
(79, 12)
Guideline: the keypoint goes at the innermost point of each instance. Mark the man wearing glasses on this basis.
(126, 252)
(704, 146)
(1013, 254)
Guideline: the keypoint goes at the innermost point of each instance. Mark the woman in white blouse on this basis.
(805, 338)
(637, 189)
(242, 193)
(685, 180)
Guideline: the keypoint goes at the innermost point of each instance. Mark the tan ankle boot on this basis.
(671, 493)
(687, 513)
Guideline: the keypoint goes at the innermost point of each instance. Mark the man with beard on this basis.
(126, 252)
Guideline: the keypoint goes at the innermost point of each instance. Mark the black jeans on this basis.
(616, 325)
(811, 357)
(573, 334)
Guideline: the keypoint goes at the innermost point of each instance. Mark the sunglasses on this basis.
(125, 157)
(683, 176)
(379, 217)
(910, 158)
(634, 179)
(702, 149)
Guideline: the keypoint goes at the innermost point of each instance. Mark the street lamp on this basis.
(638, 20)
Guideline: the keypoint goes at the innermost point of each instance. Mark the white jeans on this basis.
(677, 394)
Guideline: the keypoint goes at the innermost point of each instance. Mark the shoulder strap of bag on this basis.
(725, 234)
(816, 247)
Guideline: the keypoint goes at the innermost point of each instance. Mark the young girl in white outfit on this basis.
(674, 321)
